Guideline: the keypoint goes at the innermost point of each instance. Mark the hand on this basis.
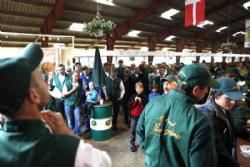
(64, 94)
(56, 123)
(140, 100)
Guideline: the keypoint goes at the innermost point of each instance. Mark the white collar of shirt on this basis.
(61, 78)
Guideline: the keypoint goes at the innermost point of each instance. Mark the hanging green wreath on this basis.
(132, 58)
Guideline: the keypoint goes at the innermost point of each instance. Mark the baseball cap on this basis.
(196, 74)
(229, 87)
(169, 78)
(15, 74)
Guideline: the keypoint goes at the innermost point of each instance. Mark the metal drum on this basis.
(101, 122)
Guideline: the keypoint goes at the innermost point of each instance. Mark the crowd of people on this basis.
(184, 115)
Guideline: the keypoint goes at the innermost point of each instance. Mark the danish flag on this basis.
(194, 12)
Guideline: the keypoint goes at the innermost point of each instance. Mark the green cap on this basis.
(15, 74)
(196, 74)
(169, 78)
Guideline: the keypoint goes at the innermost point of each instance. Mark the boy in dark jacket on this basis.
(136, 105)
(217, 109)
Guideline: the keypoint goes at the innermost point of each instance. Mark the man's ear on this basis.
(196, 90)
(33, 96)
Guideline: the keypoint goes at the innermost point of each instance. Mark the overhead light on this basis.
(134, 33)
(169, 38)
(169, 13)
(187, 51)
(204, 23)
(77, 26)
(58, 45)
(106, 2)
(144, 48)
(239, 32)
(165, 49)
(221, 28)
(246, 5)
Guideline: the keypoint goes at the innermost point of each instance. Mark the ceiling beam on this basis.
(123, 28)
(178, 27)
(51, 19)
(215, 27)
(53, 16)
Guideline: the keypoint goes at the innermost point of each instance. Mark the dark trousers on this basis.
(126, 112)
(86, 107)
(133, 124)
(116, 108)
(59, 106)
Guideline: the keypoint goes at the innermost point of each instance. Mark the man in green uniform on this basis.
(25, 141)
(171, 130)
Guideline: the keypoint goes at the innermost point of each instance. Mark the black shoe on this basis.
(86, 130)
(114, 128)
(133, 149)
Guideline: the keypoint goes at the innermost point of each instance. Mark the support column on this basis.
(179, 47)
(152, 41)
(214, 49)
(241, 50)
(199, 47)
(110, 46)
(45, 42)
(247, 51)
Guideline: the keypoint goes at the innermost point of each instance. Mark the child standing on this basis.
(154, 92)
(136, 105)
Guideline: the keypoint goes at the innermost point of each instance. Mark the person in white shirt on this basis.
(115, 90)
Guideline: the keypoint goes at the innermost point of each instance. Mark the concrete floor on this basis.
(118, 148)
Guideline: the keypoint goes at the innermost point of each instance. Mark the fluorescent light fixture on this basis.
(58, 45)
(246, 5)
(144, 48)
(239, 32)
(165, 49)
(221, 28)
(134, 33)
(77, 26)
(169, 13)
(106, 2)
(187, 51)
(169, 38)
(206, 22)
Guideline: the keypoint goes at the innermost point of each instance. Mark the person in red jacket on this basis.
(137, 103)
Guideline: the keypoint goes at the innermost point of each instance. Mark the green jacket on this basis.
(28, 143)
(75, 97)
(58, 84)
(172, 132)
(240, 115)
(113, 88)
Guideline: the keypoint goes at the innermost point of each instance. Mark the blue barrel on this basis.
(101, 122)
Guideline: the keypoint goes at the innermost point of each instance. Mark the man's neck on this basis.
(28, 113)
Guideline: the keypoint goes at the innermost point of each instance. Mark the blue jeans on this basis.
(72, 114)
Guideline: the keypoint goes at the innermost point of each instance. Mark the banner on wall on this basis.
(194, 12)
(247, 36)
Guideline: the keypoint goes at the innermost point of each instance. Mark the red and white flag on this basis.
(194, 12)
